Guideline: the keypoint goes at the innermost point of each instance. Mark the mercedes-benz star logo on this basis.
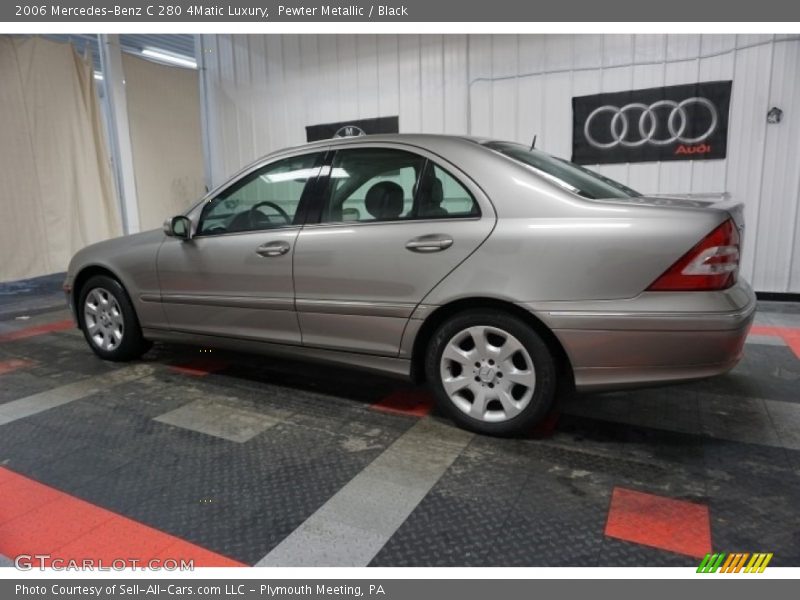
(349, 131)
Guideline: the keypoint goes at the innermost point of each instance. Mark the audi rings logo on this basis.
(624, 119)
(654, 124)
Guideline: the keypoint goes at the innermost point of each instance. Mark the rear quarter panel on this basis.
(551, 245)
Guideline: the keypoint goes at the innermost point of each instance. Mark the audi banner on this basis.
(678, 122)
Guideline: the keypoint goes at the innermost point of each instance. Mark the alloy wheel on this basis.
(103, 319)
(487, 373)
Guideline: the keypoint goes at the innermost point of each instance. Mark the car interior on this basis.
(378, 185)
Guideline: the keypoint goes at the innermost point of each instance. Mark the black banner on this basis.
(679, 122)
(327, 131)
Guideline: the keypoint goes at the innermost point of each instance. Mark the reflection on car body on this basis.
(495, 272)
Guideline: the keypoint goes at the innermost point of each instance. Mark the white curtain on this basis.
(164, 119)
(56, 190)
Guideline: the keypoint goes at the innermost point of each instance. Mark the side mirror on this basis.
(179, 227)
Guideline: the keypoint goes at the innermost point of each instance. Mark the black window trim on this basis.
(323, 191)
(306, 197)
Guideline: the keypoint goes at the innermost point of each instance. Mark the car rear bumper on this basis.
(658, 337)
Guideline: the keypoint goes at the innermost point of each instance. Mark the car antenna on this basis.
(533, 143)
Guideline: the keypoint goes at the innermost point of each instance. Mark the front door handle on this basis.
(273, 249)
(434, 242)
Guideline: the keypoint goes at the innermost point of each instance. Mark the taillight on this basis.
(713, 264)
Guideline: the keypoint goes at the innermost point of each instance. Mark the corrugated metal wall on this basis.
(261, 92)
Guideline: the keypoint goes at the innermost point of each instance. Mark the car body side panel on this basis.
(133, 260)
(356, 285)
(219, 285)
(600, 254)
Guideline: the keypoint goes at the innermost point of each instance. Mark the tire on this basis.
(108, 320)
(502, 384)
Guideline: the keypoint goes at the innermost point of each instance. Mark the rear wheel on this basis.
(491, 372)
(109, 321)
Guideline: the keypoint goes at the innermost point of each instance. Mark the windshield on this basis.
(575, 178)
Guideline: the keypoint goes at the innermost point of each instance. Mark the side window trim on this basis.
(325, 190)
(299, 216)
(476, 207)
(314, 196)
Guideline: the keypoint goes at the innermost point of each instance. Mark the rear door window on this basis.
(383, 184)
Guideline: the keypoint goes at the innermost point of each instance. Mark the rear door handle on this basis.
(273, 249)
(434, 242)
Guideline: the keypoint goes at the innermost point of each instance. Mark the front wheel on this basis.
(109, 321)
(491, 372)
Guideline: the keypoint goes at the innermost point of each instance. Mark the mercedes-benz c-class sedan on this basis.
(498, 274)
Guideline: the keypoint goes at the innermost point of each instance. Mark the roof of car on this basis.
(409, 138)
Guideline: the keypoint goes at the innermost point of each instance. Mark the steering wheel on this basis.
(257, 217)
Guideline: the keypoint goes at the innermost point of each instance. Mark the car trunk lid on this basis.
(705, 202)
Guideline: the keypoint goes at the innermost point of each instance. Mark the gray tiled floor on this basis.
(239, 460)
(50, 398)
(765, 340)
(219, 417)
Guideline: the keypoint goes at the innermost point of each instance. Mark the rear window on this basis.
(575, 178)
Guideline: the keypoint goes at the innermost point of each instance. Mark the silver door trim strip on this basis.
(223, 301)
(351, 528)
(347, 307)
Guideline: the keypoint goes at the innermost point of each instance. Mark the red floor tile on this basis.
(37, 330)
(200, 367)
(19, 495)
(7, 366)
(6, 476)
(664, 523)
(406, 402)
(37, 519)
(48, 527)
(200, 556)
(116, 538)
(793, 341)
(790, 335)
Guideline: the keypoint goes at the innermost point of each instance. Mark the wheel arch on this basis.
(444, 312)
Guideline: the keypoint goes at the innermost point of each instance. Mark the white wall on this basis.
(261, 92)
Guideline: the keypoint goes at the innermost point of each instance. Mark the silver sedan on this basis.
(497, 273)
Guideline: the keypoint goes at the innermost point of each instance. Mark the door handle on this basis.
(435, 242)
(273, 249)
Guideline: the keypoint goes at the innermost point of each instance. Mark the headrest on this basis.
(384, 200)
(437, 192)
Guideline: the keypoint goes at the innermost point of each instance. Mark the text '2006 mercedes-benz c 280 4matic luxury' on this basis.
(497, 273)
